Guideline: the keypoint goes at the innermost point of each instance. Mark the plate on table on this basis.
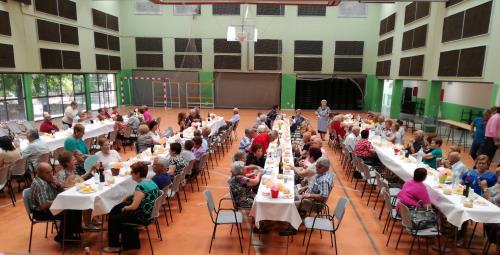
(286, 196)
(86, 189)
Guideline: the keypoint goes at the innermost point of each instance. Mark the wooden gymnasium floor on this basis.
(360, 232)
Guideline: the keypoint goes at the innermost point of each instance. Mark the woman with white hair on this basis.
(323, 113)
(241, 185)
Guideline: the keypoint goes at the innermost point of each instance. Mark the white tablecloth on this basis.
(281, 208)
(214, 126)
(100, 202)
(450, 205)
(56, 142)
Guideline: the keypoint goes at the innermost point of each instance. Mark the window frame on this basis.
(104, 89)
(4, 99)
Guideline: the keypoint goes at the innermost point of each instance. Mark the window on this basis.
(11, 97)
(311, 10)
(270, 10)
(226, 9)
(102, 90)
(51, 93)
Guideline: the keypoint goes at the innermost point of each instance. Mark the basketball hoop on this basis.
(242, 37)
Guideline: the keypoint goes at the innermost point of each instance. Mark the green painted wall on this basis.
(28, 98)
(288, 87)
(127, 86)
(454, 111)
(433, 99)
(373, 93)
(494, 94)
(397, 96)
(207, 89)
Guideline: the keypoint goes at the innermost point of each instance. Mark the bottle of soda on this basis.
(467, 186)
(152, 147)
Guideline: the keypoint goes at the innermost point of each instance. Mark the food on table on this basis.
(86, 189)
(447, 191)
(468, 203)
(458, 191)
(117, 165)
(286, 191)
(281, 187)
(280, 176)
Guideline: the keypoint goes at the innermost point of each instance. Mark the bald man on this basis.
(352, 138)
(457, 167)
(44, 190)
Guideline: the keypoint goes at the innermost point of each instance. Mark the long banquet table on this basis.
(450, 205)
(57, 140)
(282, 208)
(214, 126)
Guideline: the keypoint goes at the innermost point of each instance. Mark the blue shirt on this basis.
(436, 153)
(162, 180)
(480, 128)
(72, 144)
(475, 178)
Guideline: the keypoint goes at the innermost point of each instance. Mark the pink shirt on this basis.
(413, 192)
(493, 127)
(148, 117)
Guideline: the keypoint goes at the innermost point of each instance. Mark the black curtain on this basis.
(341, 94)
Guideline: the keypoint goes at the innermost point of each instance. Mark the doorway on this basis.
(341, 94)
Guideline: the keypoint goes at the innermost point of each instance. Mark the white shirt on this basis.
(235, 118)
(457, 170)
(187, 155)
(33, 152)
(113, 156)
(351, 140)
(71, 112)
(311, 173)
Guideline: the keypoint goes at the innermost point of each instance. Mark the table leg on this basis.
(64, 230)
(102, 234)
(460, 139)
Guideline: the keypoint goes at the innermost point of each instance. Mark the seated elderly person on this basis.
(236, 116)
(205, 133)
(101, 115)
(198, 149)
(458, 168)
(136, 210)
(75, 142)
(144, 139)
(107, 155)
(308, 171)
(47, 126)
(133, 121)
(175, 162)
(34, 150)
(481, 178)
(493, 195)
(297, 120)
(246, 141)
(265, 139)
(336, 125)
(395, 137)
(352, 139)
(256, 156)
(417, 143)
(161, 178)
(44, 190)
(365, 150)
(241, 186)
(319, 190)
(414, 193)
(193, 117)
(241, 155)
(187, 153)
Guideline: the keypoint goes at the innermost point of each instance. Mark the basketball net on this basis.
(242, 37)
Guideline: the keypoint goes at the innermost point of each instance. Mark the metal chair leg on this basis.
(213, 237)
(399, 238)
(31, 235)
(149, 238)
(309, 240)
(390, 233)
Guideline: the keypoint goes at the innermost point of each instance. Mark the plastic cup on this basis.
(115, 171)
(274, 192)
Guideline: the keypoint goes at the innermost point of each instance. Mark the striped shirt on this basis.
(322, 185)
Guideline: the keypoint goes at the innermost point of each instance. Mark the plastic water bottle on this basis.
(420, 155)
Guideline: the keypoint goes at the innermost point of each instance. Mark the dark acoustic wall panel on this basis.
(420, 36)
(69, 34)
(100, 41)
(311, 10)
(115, 63)
(150, 60)
(471, 62)
(71, 60)
(47, 6)
(381, 48)
(404, 66)
(225, 9)
(389, 45)
(354, 48)
(67, 9)
(410, 11)
(187, 45)
(448, 63)
(407, 40)
(309, 47)
(112, 22)
(114, 43)
(477, 20)
(270, 10)
(267, 46)
(391, 22)
(51, 59)
(148, 44)
(453, 2)
(7, 56)
(5, 23)
(102, 62)
(307, 64)
(224, 46)
(267, 63)
(188, 61)
(383, 27)
(48, 31)
(350, 65)
(383, 68)
(423, 10)
(452, 27)
(227, 62)
(98, 18)
(417, 65)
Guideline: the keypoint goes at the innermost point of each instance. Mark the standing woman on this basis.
(182, 121)
(323, 112)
